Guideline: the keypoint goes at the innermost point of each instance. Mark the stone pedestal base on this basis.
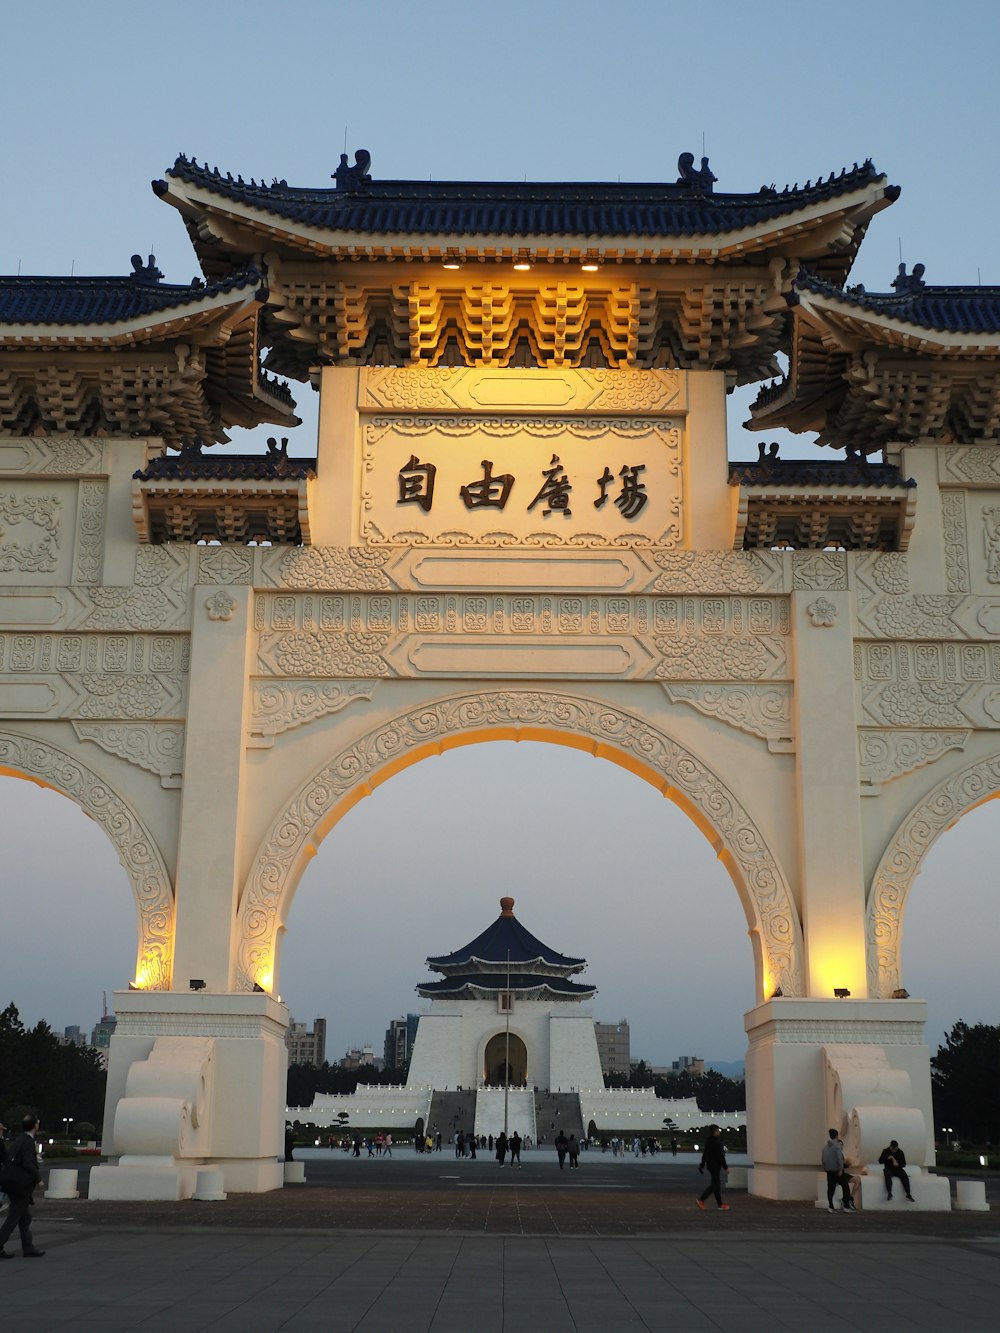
(793, 1098)
(931, 1194)
(195, 1080)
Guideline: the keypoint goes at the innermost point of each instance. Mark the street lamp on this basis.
(67, 1121)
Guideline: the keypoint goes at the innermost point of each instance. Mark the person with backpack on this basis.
(18, 1178)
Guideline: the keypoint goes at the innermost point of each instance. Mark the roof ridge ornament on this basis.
(699, 179)
(908, 283)
(145, 272)
(351, 178)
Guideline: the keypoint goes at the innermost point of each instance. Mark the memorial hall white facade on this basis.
(518, 521)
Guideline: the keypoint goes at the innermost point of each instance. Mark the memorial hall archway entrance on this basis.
(506, 1061)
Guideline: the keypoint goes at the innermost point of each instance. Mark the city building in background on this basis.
(399, 1037)
(305, 1047)
(613, 1047)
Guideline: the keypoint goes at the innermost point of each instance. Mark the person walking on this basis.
(573, 1151)
(387, 1145)
(714, 1157)
(893, 1164)
(21, 1176)
(562, 1145)
(833, 1165)
(515, 1149)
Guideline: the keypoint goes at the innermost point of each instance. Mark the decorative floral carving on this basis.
(220, 606)
(161, 567)
(122, 696)
(884, 755)
(292, 835)
(65, 457)
(131, 608)
(223, 564)
(925, 616)
(991, 542)
(135, 845)
(29, 532)
(717, 571)
(333, 568)
(956, 545)
(888, 570)
(920, 703)
(821, 570)
(628, 390)
(899, 866)
(90, 532)
(687, 656)
(822, 613)
(281, 705)
(760, 710)
(353, 653)
(972, 464)
(157, 747)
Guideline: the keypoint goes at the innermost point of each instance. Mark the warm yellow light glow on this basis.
(451, 261)
(522, 263)
(590, 266)
(265, 980)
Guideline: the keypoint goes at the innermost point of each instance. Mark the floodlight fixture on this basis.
(196, 983)
(841, 992)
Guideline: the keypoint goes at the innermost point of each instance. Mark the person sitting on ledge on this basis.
(893, 1163)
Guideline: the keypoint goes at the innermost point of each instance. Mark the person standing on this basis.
(833, 1165)
(387, 1145)
(893, 1164)
(501, 1147)
(714, 1157)
(22, 1175)
(573, 1150)
(515, 1149)
(562, 1144)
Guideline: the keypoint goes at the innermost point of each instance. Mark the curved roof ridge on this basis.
(506, 937)
(953, 309)
(101, 299)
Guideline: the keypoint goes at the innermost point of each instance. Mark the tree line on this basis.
(38, 1073)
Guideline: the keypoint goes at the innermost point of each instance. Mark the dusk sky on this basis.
(97, 101)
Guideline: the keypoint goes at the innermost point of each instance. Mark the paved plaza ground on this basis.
(431, 1243)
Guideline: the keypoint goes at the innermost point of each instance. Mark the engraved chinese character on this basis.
(490, 493)
(554, 490)
(603, 483)
(416, 484)
(632, 499)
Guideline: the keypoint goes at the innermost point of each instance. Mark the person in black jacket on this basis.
(23, 1165)
(893, 1164)
(714, 1157)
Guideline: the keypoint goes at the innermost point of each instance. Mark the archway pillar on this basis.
(831, 865)
(212, 809)
(861, 1067)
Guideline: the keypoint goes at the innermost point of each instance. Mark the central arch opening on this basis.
(505, 1053)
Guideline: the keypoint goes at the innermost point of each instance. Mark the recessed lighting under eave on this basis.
(522, 262)
(451, 260)
(590, 264)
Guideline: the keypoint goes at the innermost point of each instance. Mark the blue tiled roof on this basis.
(55, 301)
(193, 466)
(822, 473)
(944, 309)
(491, 982)
(505, 937)
(491, 208)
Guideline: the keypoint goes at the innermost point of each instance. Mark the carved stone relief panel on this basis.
(35, 532)
(480, 388)
(956, 541)
(973, 465)
(53, 456)
(135, 845)
(759, 710)
(723, 638)
(286, 843)
(930, 684)
(884, 755)
(317, 568)
(93, 675)
(89, 559)
(826, 570)
(158, 747)
(280, 705)
(719, 571)
(225, 564)
(876, 573)
(543, 482)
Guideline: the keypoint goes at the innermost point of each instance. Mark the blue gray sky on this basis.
(97, 100)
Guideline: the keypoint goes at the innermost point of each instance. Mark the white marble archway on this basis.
(609, 732)
(28, 757)
(938, 811)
